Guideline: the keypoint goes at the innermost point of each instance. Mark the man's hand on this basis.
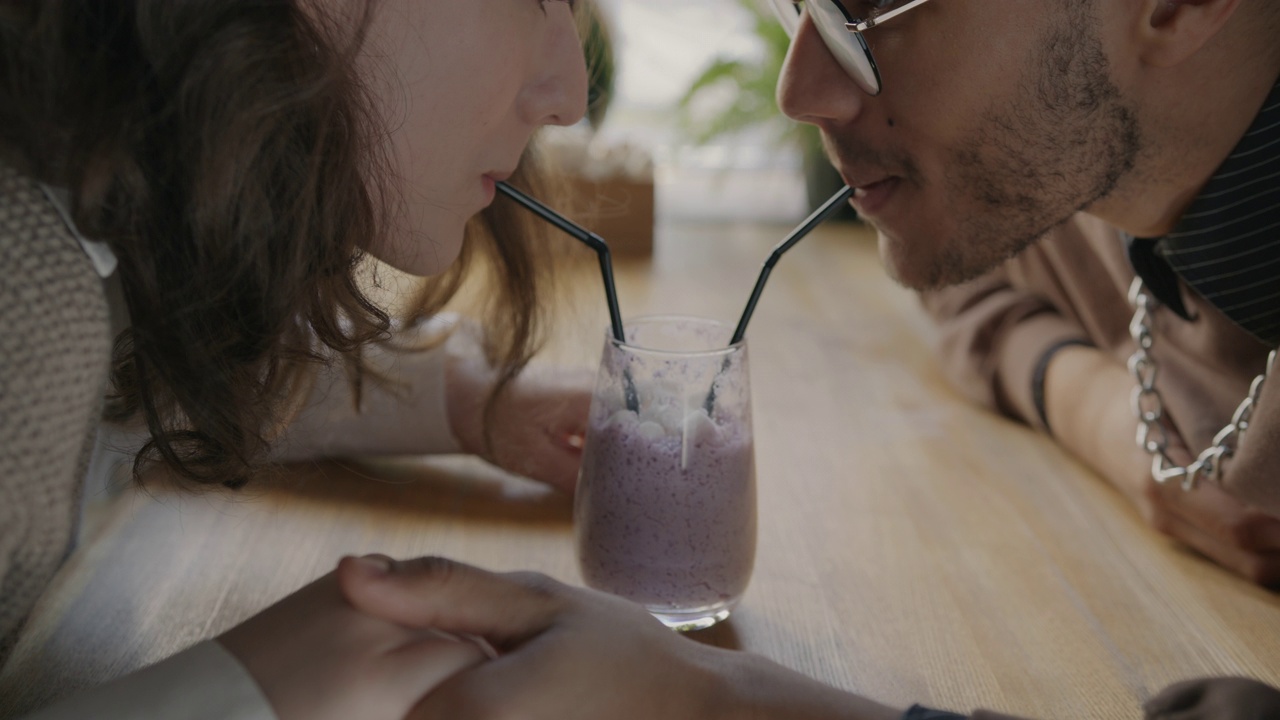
(1215, 699)
(538, 424)
(315, 657)
(1241, 538)
(1087, 402)
(574, 654)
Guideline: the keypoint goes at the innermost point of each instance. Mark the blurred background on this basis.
(683, 97)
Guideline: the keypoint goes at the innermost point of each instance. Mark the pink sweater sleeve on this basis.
(991, 336)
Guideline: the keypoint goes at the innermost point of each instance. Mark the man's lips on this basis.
(867, 188)
(861, 182)
(872, 194)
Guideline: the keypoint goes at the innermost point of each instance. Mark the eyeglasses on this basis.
(842, 30)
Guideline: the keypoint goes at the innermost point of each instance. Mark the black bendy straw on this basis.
(585, 236)
(597, 243)
(826, 210)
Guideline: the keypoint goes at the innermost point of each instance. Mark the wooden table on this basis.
(911, 547)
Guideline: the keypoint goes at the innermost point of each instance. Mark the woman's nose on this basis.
(558, 94)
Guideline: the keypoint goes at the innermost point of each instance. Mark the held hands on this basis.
(538, 424)
(566, 653)
(574, 654)
(315, 657)
(1087, 398)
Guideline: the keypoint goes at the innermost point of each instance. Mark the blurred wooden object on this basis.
(618, 209)
(607, 188)
(912, 548)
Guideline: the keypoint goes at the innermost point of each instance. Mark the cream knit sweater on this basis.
(55, 348)
(55, 351)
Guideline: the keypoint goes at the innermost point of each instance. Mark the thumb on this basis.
(440, 594)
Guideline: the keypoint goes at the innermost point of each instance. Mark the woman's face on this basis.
(463, 84)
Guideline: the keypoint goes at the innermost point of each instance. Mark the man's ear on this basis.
(1174, 30)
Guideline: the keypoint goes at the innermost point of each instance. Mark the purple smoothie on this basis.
(666, 517)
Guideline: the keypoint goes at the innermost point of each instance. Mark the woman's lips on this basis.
(870, 199)
(490, 182)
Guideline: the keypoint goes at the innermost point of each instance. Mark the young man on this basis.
(979, 130)
(1192, 203)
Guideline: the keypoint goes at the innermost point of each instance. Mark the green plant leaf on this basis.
(752, 86)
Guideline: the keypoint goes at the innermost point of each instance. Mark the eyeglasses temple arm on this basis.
(864, 25)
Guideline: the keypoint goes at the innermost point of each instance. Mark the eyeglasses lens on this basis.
(848, 48)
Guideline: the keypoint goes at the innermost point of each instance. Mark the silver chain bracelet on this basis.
(1148, 407)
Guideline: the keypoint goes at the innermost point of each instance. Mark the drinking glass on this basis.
(665, 511)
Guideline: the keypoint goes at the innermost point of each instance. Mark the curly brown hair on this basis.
(231, 156)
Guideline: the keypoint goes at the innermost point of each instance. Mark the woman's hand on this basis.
(538, 424)
(316, 657)
(574, 654)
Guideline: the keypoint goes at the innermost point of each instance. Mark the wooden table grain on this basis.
(911, 547)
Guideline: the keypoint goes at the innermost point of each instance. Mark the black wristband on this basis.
(1037, 377)
(919, 712)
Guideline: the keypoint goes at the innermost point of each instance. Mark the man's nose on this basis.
(813, 87)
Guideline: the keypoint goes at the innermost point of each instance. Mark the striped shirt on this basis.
(1227, 245)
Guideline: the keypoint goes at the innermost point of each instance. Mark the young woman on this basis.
(187, 191)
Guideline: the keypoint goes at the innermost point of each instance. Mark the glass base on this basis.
(695, 618)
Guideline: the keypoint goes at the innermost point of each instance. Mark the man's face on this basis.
(997, 122)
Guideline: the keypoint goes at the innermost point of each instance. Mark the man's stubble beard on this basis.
(1065, 143)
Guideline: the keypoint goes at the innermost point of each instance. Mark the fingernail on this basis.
(378, 564)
